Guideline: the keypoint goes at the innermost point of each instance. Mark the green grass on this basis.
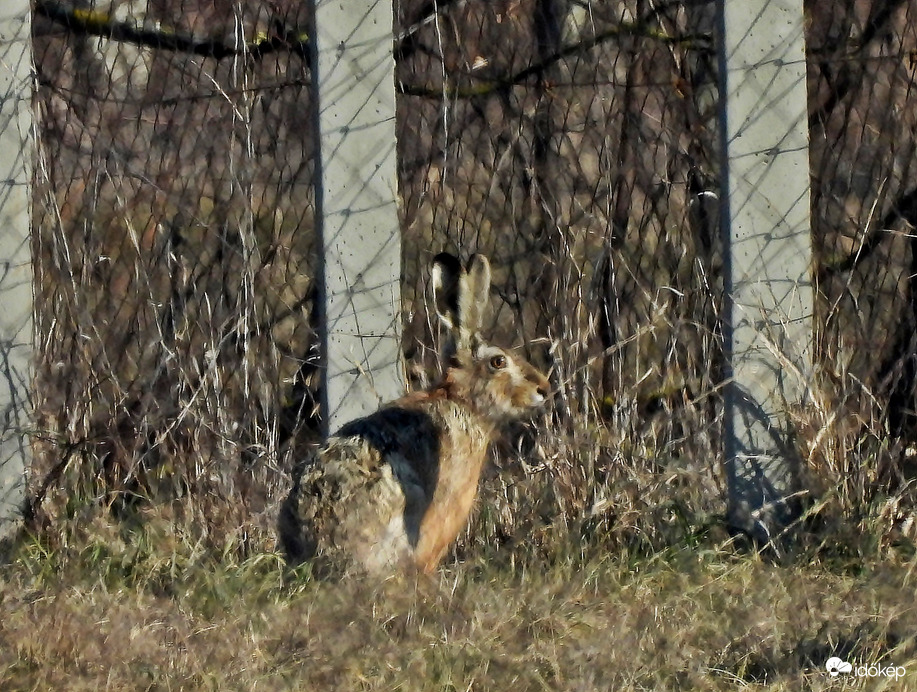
(156, 607)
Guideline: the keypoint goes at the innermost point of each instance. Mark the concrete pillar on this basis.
(16, 149)
(356, 207)
(765, 208)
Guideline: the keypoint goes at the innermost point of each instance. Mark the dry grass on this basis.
(597, 561)
(586, 569)
(158, 606)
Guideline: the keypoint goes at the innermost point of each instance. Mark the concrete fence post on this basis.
(16, 150)
(356, 207)
(765, 220)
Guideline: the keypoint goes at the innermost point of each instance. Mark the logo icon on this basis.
(837, 666)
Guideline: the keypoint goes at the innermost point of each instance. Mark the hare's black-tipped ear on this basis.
(446, 276)
(474, 293)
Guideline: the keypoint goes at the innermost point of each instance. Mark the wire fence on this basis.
(574, 143)
(861, 86)
(573, 149)
(861, 81)
(175, 258)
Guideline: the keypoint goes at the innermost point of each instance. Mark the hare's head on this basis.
(496, 383)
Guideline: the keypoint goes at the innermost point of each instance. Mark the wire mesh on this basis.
(861, 83)
(574, 143)
(174, 255)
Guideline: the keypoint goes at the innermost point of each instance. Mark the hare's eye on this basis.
(498, 362)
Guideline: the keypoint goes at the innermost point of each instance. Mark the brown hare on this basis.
(394, 489)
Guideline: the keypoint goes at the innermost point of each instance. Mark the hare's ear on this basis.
(474, 293)
(446, 277)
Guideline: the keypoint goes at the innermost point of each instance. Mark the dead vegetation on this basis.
(177, 381)
(161, 606)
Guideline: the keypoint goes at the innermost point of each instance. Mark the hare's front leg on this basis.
(447, 515)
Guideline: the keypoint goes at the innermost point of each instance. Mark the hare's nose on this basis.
(543, 391)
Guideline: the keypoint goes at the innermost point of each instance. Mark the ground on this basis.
(143, 610)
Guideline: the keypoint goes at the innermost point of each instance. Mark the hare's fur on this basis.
(394, 489)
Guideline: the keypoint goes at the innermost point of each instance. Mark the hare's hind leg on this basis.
(371, 508)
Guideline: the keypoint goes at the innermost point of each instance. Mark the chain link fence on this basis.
(861, 60)
(573, 142)
(576, 145)
(174, 254)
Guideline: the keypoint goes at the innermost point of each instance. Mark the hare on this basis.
(393, 490)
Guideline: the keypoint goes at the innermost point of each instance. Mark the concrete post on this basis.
(765, 220)
(356, 208)
(15, 256)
